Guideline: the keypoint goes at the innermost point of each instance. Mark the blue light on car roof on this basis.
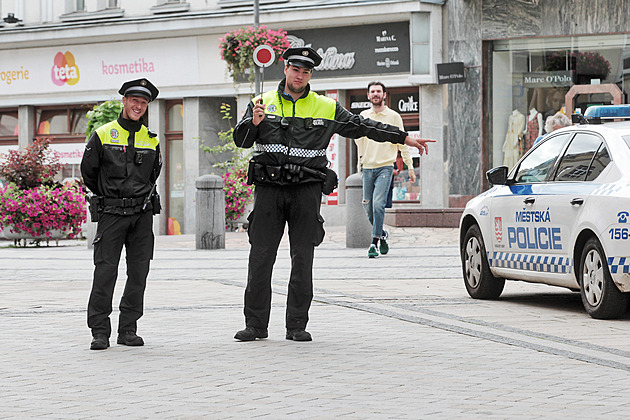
(608, 111)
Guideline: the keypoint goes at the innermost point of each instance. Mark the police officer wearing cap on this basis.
(290, 129)
(120, 166)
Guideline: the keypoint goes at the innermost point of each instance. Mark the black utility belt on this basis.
(290, 173)
(123, 202)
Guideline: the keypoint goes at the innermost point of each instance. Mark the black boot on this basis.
(251, 333)
(129, 338)
(99, 342)
(299, 335)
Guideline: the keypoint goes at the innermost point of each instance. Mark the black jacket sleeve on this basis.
(157, 165)
(355, 126)
(245, 132)
(91, 163)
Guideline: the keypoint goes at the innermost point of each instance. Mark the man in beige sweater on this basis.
(376, 160)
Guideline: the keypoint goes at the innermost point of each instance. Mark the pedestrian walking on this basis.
(290, 129)
(120, 167)
(376, 160)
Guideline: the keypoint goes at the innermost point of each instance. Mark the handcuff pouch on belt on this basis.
(96, 207)
(155, 203)
(263, 174)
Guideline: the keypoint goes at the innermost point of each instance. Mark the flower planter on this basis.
(24, 238)
(32, 203)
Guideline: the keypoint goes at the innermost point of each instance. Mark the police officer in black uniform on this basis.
(291, 128)
(120, 166)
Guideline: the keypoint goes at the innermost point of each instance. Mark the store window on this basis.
(174, 158)
(65, 127)
(67, 124)
(533, 79)
(8, 126)
(8, 133)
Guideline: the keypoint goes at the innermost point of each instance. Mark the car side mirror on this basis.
(498, 175)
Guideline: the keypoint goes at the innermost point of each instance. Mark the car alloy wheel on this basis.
(593, 278)
(600, 296)
(479, 281)
(473, 262)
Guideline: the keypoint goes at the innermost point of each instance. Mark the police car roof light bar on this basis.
(601, 113)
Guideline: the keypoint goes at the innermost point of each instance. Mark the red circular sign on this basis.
(264, 56)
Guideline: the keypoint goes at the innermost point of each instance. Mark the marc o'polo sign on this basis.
(451, 73)
(547, 79)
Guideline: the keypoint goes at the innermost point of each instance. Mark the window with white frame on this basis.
(107, 4)
(239, 3)
(170, 6)
(73, 6)
(46, 11)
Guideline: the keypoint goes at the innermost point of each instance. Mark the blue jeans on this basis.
(376, 183)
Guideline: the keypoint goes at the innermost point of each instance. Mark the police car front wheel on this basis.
(600, 297)
(479, 281)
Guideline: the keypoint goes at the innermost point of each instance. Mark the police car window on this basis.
(535, 166)
(600, 161)
(627, 140)
(577, 159)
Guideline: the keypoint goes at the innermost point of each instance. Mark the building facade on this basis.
(59, 58)
(525, 61)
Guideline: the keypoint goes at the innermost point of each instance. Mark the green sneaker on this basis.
(383, 247)
(372, 252)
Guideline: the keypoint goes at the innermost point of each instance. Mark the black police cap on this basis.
(302, 57)
(139, 87)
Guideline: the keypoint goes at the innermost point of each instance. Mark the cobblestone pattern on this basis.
(394, 337)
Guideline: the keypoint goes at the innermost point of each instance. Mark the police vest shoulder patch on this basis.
(113, 133)
(271, 108)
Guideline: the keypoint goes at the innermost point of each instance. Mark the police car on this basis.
(561, 216)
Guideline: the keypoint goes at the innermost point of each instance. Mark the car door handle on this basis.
(529, 200)
(577, 201)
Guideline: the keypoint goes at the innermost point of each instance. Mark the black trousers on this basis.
(135, 232)
(274, 207)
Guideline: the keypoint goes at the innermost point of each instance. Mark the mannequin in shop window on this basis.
(548, 101)
(511, 147)
(534, 128)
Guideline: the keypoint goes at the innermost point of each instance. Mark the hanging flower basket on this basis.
(237, 47)
(583, 63)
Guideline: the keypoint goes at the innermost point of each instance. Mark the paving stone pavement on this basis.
(394, 337)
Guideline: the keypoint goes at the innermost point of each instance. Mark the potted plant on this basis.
(238, 195)
(102, 114)
(32, 205)
(237, 47)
